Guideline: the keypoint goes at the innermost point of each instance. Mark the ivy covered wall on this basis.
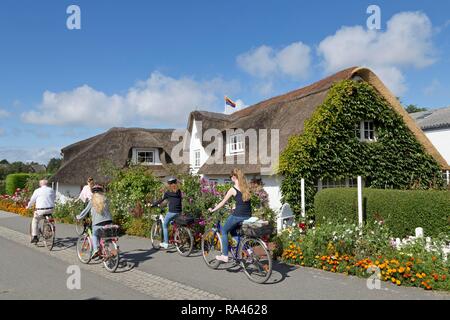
(329, 148)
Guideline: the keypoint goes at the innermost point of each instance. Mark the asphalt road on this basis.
(172, 272)
(25, 273)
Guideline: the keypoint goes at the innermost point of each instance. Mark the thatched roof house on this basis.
(288, 113)
(118, 146)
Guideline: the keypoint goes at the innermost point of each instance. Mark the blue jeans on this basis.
(230, 225)
(169, 217)
(95, 229)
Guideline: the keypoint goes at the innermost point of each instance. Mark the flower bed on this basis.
(364, 252)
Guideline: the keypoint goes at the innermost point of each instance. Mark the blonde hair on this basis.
(98, 202)
(242, 182)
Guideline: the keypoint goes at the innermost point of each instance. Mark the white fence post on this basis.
(303, 197)
(360, 202)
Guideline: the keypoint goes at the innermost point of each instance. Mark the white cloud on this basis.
(293, 61)
(39, 155)
(4, 113)
(407, 42)
(158, 100)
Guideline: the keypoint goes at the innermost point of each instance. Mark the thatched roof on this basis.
(83, 159)
(288, 113)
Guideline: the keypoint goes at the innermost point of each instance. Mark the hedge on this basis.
(401, 210)
(14, 181)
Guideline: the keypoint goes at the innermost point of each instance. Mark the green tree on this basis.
(4, 161)
(414, 108)
(53, 165)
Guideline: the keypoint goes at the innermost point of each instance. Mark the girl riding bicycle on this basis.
(242, 212)
(175, 207)
(101, 216)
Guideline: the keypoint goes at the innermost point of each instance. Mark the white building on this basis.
(436, 125)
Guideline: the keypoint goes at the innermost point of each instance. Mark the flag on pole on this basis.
(230, 102)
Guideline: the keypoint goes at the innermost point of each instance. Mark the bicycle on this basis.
(250, 252)
(180, 235)
(109, 249)
(47, 231)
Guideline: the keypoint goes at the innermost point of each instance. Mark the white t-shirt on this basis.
(44, 198)
(86, 194)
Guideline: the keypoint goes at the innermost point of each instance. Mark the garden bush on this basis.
(401, 210)
(16, 181)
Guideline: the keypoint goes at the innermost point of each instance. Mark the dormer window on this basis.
(144, 157)
(236, 144)
(365, 131)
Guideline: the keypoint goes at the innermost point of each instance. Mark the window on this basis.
(365, 131)
(338, 183)
(197, 158)
(145, 157)
(236, 143)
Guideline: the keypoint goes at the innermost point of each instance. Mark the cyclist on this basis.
(175, 199)
(86, 193)
(101, 216)
(242, 211)
(44, 198)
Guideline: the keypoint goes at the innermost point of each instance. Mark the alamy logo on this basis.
(374, 21)
(74, 20)
(74, 280)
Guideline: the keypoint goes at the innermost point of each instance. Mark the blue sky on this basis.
(149, 63)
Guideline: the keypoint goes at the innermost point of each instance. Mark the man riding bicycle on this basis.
(44, 199)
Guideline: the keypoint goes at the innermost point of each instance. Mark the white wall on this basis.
(441, 141)
(272, 185)
(196, 144)
(71, 191)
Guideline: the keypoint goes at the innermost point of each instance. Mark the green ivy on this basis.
(329, 149)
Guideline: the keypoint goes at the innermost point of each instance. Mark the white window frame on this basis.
(238, 146)
(371, 133)
(138, 151)
(197, 158)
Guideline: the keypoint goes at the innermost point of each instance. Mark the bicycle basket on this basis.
(257, 231)
(184, 220)
(109, 231)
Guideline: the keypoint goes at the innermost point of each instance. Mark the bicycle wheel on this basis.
(184, 241)
(84, 248)
(79, 227)
(156, 234)
(211, 247)
(48, 234)
(111, 255)
(255, 259)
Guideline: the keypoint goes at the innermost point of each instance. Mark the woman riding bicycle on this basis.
(242, 212)
(175, 207)
(101, 216)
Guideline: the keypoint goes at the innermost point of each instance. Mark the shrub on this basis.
(16, 181)
(401, 210)
(66, 212)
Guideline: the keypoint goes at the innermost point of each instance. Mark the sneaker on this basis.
(35, 239)
(222, 258)
(164, 245)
